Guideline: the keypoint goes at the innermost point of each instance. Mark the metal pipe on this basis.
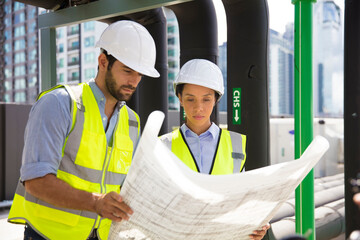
(322, 198)
(247, 78)
(198, 36)
(351, 109)
(329, 221)
(151, 93)
(305, 223)
(5, 204)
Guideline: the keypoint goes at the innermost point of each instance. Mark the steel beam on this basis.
(99, 10)
(48, 58)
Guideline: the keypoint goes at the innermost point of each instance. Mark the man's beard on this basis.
(111, 87)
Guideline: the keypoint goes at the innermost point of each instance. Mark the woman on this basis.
(199, 143)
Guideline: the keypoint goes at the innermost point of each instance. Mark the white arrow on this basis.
(236, 115)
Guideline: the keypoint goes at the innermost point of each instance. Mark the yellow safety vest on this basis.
(87, 164)
(229, 156)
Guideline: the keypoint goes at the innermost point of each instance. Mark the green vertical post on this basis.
(48, 58)
(304, 201)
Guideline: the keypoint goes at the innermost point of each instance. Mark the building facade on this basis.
(20, 52)
(328, 59)
(19, 57)
(76, 53)
(222, 63)
(173, 56)
(281, 73)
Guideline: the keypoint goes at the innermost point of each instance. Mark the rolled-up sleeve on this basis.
(46, 130)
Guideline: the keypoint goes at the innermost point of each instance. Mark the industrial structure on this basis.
(247, 75)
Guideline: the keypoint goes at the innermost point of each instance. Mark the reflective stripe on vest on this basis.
(87, 164)
(229, 156)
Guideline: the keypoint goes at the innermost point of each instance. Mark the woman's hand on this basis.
(259, 234)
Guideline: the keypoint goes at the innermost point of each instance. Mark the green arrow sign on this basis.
(236, 105)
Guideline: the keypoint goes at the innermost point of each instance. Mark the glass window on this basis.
(7, 97)
(171, 41)
(61, 62)
(7, 9)
(19, 31)
(60, 32)
(331, 13)
(74, 45)
(20, 17)
(172, 64)
(33, 68)
(89, 41)
(171, 29)
(8, 85)
(89, 57)
(19, 44)
(19, 57)
(61, 78)
(20, 83)
(171, 76)
(32, 41)
(8, 72)
(8, 60)
(20, 97)
(7, 35)
(33, 54)
(32, 81)
(89, 26)
(61, 47)
(32, 27)
(75, 75)
(74, 29)
(18, 6)
(19, 71)
(74, 59)
(171, 52)
(32, 13)
(89, 73)
(7, 47)
(7, 21)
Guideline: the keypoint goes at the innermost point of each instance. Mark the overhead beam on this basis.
(99, 10)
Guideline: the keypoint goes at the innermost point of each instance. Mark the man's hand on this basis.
(259, 234)
(111, 206)
(59, 193)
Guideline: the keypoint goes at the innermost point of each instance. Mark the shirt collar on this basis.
(213, 131)
(99, 95)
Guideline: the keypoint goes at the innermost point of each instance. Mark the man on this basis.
(79, 142)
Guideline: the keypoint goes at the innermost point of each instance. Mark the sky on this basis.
(281, 12)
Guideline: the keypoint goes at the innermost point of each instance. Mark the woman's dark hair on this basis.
(109, 57)
(180, 87)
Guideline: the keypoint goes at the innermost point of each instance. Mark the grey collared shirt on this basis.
(203, 146)
(46, 130)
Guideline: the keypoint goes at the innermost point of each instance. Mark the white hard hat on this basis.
(131, 44)
(201, 72)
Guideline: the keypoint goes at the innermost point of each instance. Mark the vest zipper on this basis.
(105, 168)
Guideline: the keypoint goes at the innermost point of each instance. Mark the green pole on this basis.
(304, 201)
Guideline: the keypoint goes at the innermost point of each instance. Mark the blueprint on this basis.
(172, 202)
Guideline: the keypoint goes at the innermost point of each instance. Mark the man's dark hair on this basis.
(109, 57)
(180, 87)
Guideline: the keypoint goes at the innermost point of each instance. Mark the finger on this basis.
(266, 227)
(120, 213)
(113, 217)
(255, 237)
(258, 234)
(115, 196)
(122, 206)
